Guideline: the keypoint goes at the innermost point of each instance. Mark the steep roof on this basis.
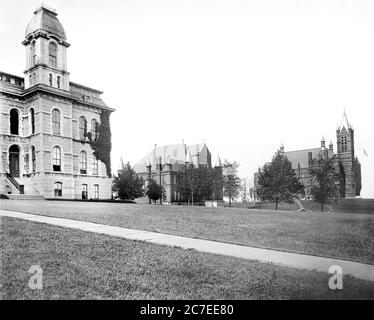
(45, 19)
(301, 156)
(173, 154)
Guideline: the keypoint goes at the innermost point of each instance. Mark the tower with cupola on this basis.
(46, 51)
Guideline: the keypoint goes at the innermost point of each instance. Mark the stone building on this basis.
(163, 163)
(346, 162)
(46, 122)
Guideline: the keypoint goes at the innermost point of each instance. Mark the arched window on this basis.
(56, 122)
(58, 189)
(52, 54)
(50, 79)
(83, 162)
(82, 128)
(95, 165)
(94, 129)
(32, 121)
(58, 82)
(14, 122)
(56, 159)
(33, 159)
(33, 54)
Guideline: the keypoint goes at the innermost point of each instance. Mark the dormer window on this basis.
(52, 54)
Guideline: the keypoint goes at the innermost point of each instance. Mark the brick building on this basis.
(163, 163)
(347, 164)
(46, 122)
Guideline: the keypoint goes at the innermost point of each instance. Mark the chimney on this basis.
(309, 158)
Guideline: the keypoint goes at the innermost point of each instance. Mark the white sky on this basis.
(241, 75)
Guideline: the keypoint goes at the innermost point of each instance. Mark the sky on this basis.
(242, 76)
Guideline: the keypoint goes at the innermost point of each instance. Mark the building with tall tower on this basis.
(51, 126)
(346, 163)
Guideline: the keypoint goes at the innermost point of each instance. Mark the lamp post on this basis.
(160, 169)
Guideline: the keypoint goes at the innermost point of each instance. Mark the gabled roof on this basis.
(301, 156)
(173, 154)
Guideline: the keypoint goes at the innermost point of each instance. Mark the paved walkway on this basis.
(294, 260)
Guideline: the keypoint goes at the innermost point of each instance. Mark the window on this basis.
(50, 79)
(33, 159)
(56, 129)
(53, 55)
(32, 121)
(95, 165)
(58, 189)
(33, 54)
(56, 159)
(58, 82)
(96, 191)
(94, 129)
(84, 191)
(83, 162)
(30, 80)
(82, 128)
(14, 121)
(344, 143)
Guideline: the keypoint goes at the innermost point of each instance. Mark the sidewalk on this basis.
(294, 260)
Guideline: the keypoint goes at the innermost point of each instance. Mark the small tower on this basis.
(281, 149)
(46, 51)
(331, 146)
(346, 156)
(323, 143)
(218, 180)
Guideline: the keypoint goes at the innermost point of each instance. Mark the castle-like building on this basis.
(49, 124)
(163, 163)
(346, 163)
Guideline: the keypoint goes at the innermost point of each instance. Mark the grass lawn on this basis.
(83, 265)
(343, 235)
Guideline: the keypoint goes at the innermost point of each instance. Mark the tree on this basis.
(231, 181)
(154, 191)
(195, 183)
(326, 180)
(128, 184)
(245, 190)
(278, 181)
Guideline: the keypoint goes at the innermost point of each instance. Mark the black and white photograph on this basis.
(203, 152)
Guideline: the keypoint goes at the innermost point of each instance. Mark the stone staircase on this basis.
(29, 191)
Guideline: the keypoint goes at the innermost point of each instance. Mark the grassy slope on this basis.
(80, 265)
(346, 205)
(347, 236)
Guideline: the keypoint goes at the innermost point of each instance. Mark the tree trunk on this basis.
(276, 204)
(229, 201)
(322, 206)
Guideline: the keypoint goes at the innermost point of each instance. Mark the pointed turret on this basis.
(188, 157)
(331, 146)
(281, 149)
(218, 162)
(323, 143)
